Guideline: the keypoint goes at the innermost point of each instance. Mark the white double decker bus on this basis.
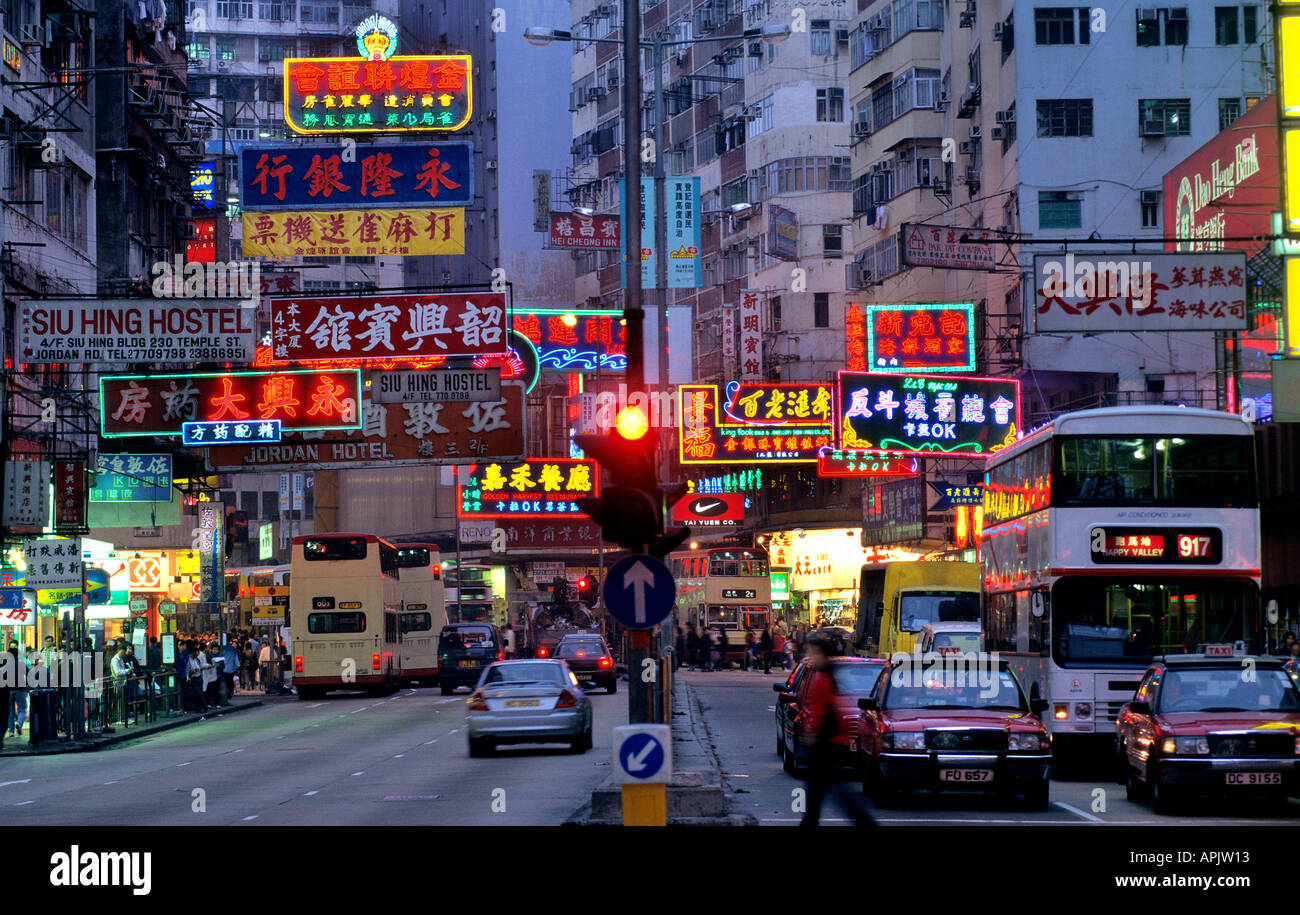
(1112, 536)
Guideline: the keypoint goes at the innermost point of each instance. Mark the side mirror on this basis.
(778, 687)
(867, 705)
(1139, 708)
(1038, 705)
(1035, 693)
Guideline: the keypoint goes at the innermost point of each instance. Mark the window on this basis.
(274, 50)
(819, 35)
(198, 50)
(1169, 23)
(1229, 111)
(804, 173)
(320, 12)
(882, 105)
(1060, 210)
(1065, 117)
(1061, 25)
(822, 309)
(1225, 25)
(225, 49)
(275, 10)
(1250, 23)
(321, 549)
(832, 241)
(330, 623)
(1150, 203)
(830, 104)
(1008, 37)
(760, 124)
(1204, 470)
(1174, 114)
(234, 9)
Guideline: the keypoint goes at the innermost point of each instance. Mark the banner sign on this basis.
(723, 510)
(788, 423)
(202, 183)
(535, 488)
(199, 434)
(783, 233)
(374, 231)
(951, 494)
(53, 563)
(159, 404)
(1140, 292)
(383, 326)
(743, 481)
(212, 575)
(751, 337)
(685, 262)
(543, 534)
(399, 94)
(938, 415)
(936, 246)
(133, 478)
(95, 331)
(395, 435)
(17, 607)
(575, 340)
(574, 230)
(926, 338)
(728, 340)
(892, 512)
(437, 173)
(27, 493)
(837, 462)
(436, 386)
(69, 495)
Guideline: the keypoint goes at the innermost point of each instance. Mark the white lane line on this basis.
(24, 803)
(362, 772)
(427, 742)
(114, 782)
(317, 705)
(253, 817)
(310, 793)
(1077, 812)
(399, 756)
(452, 731)
(21, 781)
(240, 750)
(178, 765)
(362, 709)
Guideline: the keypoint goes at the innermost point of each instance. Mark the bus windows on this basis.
(388, 560)
(332, 623)
(413, 557)
(321, 549)
(919, 608)
(1206, 470)
(753, 618)
(416, 622)
(721, 615)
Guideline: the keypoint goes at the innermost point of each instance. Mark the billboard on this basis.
(722, 510)
(534, 488)
(939, 246)
(893, 512)
(920, 338)
(426, 92)
(95, 331)
(438, 172)
(379, 327)
(159, 404)
(360, 232)
(755, 422)
(436, 386)
(549, 534)
(576, 340)
(574, 230)
(1140, 292)
(133, 478)
(202, 182)
(838, 462)
(682, 232)
(783, 233)
(397, 435)
(936, 415)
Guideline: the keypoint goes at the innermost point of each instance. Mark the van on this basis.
(464, 650)
(897, 599)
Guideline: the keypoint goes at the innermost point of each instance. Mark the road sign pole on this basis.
(640, 698)
(645, 805)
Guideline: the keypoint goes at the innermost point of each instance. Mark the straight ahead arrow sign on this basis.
(640, 577)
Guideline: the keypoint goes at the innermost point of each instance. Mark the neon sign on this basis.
(839, 462)
(535, 488)
(855, 339)
(790, 430)
(927, 338)
(578, 340)
(226, 433)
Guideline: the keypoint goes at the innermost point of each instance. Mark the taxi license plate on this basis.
(1253, 778)
(965, 775)
(522, 703)
(469, 663)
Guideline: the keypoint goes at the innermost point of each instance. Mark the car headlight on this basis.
(1027, 743)
(904, 740)
(1185, 746)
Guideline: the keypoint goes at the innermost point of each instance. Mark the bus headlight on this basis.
(1061, 711)
(1083, 710)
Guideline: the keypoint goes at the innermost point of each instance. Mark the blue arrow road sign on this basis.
(641, 756)
(639, 591)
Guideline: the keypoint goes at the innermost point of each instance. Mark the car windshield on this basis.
(1226, 689)
(571, 649)
(525, 672)
(465, 638)
(855, 678)
(960, 687)
(923, 607)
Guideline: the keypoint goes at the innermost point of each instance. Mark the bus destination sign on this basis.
(1162, 546)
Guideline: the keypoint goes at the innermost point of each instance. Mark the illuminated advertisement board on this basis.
(133, 478)
(1161, 545)
(576, 340)
(763, 422)
(838, 462)
(308, 400)
(202, 182)
(925, 338)
(361, 232)
(938, 415)
(535, 488)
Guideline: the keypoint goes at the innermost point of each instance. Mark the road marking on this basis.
(399, 756)
(310, 793)
(114, 782)
(253, 817)
(24, 803)
(21, 781)
(240, 750)
(362, 772)
(317, 705)
(362, 709)
(427, 742)
(452, 731)
(178, 765)
(1077, 812)
(412, 797)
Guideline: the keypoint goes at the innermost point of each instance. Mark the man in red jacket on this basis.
(829, 744)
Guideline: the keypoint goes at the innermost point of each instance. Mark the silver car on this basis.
(533, 701)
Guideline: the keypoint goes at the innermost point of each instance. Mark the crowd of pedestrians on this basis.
(777, 645)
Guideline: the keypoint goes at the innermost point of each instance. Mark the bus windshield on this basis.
(920, 607)
(1119, 620)
(413, 557)
(1199, 470)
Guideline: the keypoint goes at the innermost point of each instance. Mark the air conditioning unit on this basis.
(1146, 13)
(595, 94)
(1153, 128)
(998, 29)
(1007, 116)
(998, 133)
(756, 49)
(966, 147)
(842, 36)
(861, 129)
(223, 66)
(490, 165)
(32, 35)
(972, 177)
(576, 148)
(941, 102)
(611, 83)
(492, 114)
(975, 132)
(1150, 198)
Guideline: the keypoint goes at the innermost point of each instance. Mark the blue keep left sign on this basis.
(643, 753)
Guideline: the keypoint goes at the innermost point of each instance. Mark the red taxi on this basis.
(854, 678)
(947, 723)
(1209, 724)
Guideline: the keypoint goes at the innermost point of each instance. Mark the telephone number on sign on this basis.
(195, 354)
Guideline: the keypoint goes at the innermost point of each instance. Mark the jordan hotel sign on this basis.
(1228, 188)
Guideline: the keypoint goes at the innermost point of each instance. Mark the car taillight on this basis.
(501, 655)
(477, 703)
(542, 652)
(374, 662)
(605, 662)
(582, 654)
(567, 700)
(297, 664)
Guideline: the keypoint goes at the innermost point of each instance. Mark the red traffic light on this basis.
(582, 584)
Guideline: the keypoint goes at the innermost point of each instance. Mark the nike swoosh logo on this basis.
(703, 507)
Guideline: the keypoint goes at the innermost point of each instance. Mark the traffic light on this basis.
(632, 511)
(587, 587)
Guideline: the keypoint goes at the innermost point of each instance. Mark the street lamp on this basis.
(540, 37)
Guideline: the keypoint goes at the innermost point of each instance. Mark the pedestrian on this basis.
(229, 668)
(828, 743)
(751, 649)
(17, 691)
(248, 669)
(213, 662)
(778, 648)
(508, 640)
(8, 681)
(679, 646)
(765, 648)
(692, 645)
(121, 672)
(264, 663)
(720, 659)
(154, 655)
(194, 675)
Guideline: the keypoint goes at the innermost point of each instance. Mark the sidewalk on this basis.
(19, 746)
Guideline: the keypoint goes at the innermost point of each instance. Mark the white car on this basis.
(528, 701)
(948, 638)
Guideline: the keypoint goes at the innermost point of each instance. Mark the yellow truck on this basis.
(897, 599)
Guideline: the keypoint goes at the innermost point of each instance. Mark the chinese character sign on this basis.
(928, 338)
(576, 340)
(892, 512)
(53, 563)
(362, 232)
(27, 495)
(406, 94)
(212, 543)
(69, 495)
(936, 415)
(133, 478)
(953, 247)
(751, 336)
(682, 232)
(324, 398)
(837, 462)
(1140, 292)
(536, 488)
(229, 432)
(573, 230)
(855, 338)
(728, 340)
(387, 326)
(436, 173)
(786, 427)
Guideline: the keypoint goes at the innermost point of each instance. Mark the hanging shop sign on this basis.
(893, 512)
(751, 336)
(746, 482)
(520, 363)
(535, 488)
(205, 433)
(855, 338)
(202, 183)
(96, 331)
(574, 230)
(547, 534)
(302, 400)
(361, 232)
(920, 338)
(839, 462)
(378, 327)
(577, 340)
(783, 233)
(682, 232)
(1142, 292)
(721, 510)
(27, 492)
(938, 415)
(406, 94)
(396, 435)
(437, 173)
(53, 563)
(69, 495)
(952, 494)
(764, 422)
(133, 478)
(954, 248)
